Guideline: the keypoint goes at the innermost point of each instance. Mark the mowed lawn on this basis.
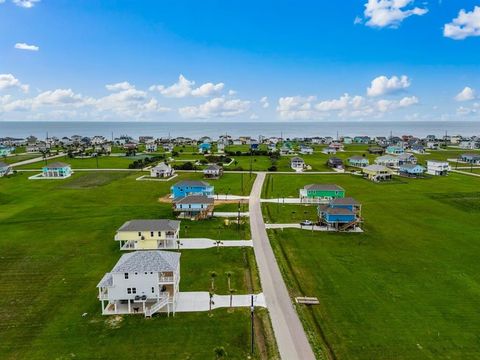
(407, 288)
(57, 242)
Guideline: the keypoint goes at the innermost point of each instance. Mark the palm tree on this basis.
(229, 275)
(178, 245)
(218, 242)
(213, 275)
(220, 352)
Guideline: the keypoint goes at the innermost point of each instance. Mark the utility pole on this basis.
(252, 316)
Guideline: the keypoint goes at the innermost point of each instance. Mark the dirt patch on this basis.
(221, 202)
(165, 199)
(114, 322)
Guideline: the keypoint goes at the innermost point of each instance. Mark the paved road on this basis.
(34, 160)
(291, 338)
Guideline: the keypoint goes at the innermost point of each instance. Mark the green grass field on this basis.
(407, 288)
(56, 244)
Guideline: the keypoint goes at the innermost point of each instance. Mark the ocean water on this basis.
(40, 129)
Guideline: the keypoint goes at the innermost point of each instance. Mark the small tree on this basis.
(213, 275)
(229, 275)
(220, 352)
(218, 243)
(210, 301)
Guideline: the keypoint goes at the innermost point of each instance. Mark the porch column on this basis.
(143, 302)
(129, 309)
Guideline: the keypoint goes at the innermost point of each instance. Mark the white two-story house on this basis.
(142, 282)
(148, 234)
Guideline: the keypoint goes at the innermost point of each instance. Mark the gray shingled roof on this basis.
(150, 225)
(194, 199)
(141, 261)
(162, 166)
(357, 157)
(323, 187)
(192, 183)
(375, 168)
(296, 159)
(338, 211)
(213, 167)
(344, 201)
(56, 165)
(2, 164)
(106, 281)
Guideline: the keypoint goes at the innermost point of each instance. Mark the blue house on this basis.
(340, 214)
(395, 150)
(204, 147)
(191, 187)
(57, 170)
(194, 206)
(254, 145)
(470, 158)
(411, 170)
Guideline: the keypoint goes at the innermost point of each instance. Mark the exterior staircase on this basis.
(161, 303)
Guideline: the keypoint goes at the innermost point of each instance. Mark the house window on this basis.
(151, 233)
(129, 290)
(126, 275)
(159, 234)
(134, 290)
(139, 233)
(153, 290)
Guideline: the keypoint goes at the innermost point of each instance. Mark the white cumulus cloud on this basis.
(264, 102)
(466, 94)
(184, 88)
(125, 85)
(207, 89)
(24, 46)
(216, 107)
(389, 13)
(383, 85)
(464, 25)
(8, 81)
(27, 4)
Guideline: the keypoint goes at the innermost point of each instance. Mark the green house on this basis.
(321, 192)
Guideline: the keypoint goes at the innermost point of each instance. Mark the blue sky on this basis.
(249, 61)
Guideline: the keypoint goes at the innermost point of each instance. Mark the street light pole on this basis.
(252, 316)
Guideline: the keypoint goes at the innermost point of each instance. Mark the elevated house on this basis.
(335, 163)
(213, 172)
(204, 148)
(358, 161)
(470, 158)
(57, 170)
(336, 145)
(377, 173)
(329, 150)
(347, 140)
(433, 145)
(376, 150)
(5, 169)
(315, 193)
(162, 170)
(194, 207)
(168, 147)
(297, 164)
(411, 170)
(418, 149)
(395, 150)
(407, 158)
(142, 282)
(388, 161)
(437, 167)
(361, 139)
(468, 144)
(341, 214)
(6, 150)
(151, 147)
(148, 234)
(191, 187)
(306, 150)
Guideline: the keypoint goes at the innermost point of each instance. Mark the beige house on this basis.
(148, 234)
(377, 173)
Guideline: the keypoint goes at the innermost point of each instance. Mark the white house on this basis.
(297, 164)
(162, 170)
(433, 145)
(151, 147)
(387, 160)
(213, 171)
(438, 168)
(4, 169)
(151, 234)
(142, 282)
(306, 150)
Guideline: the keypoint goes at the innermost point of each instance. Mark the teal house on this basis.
(358, 161)
(57, 170)
(204, 147)
(191, 187)
(321, 192)
(411, 170)
(395, 150)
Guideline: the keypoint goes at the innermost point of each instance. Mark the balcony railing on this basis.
(165, 279)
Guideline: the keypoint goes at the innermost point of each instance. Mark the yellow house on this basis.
(377, 173)
(148, 234)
